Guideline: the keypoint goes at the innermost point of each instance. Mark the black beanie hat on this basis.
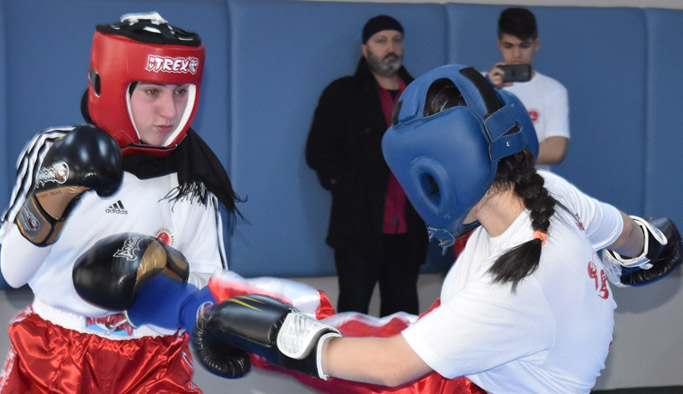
(379, 23)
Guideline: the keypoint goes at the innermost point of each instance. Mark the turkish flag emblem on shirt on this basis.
(533, 114)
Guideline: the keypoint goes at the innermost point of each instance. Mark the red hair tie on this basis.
(542, 235)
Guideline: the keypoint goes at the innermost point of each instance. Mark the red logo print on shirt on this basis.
(533, 114)
(165, 235)
(579, 223)
(600, 279)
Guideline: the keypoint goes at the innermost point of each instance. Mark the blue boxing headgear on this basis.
(447, 161)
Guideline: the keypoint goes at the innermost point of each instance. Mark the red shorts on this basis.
(47, 358)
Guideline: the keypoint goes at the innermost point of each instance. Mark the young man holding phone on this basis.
(545, 98)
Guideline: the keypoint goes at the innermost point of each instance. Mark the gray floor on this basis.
(643, 390)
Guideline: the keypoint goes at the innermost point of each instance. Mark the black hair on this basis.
(522, 260)
(442, 94)
(519, 171)
(84, 108)
(518, 22)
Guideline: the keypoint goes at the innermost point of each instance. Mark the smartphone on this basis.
(516, 72)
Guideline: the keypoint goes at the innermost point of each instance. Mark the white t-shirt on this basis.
(546, 101)
(551, 335)
(139, 206)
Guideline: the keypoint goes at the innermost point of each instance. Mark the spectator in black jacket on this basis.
(375, 232)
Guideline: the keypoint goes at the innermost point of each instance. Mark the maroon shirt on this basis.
(395, 199)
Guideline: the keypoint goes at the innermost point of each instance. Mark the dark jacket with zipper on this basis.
(344, 147)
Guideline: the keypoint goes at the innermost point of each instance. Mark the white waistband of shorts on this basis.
(76, 322)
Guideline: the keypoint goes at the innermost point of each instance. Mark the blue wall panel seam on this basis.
(647, 166)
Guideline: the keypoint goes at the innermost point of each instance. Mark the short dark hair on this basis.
(518, 22)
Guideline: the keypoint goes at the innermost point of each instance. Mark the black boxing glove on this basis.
(110, 273)
(147, 280)
(661, 255)
(266, 327)
(220, 358)
(87, 158)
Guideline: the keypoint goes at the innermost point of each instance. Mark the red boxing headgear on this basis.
(142, 48)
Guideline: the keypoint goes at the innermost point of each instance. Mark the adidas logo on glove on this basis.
(118, 208)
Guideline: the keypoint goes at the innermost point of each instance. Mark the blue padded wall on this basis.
(5, 160)
(284, 55)
(663, 186)
(604, 71)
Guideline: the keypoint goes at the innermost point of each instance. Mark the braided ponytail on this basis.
(522, 260)
(518, 170)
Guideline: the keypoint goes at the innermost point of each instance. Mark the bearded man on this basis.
(376, 234)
